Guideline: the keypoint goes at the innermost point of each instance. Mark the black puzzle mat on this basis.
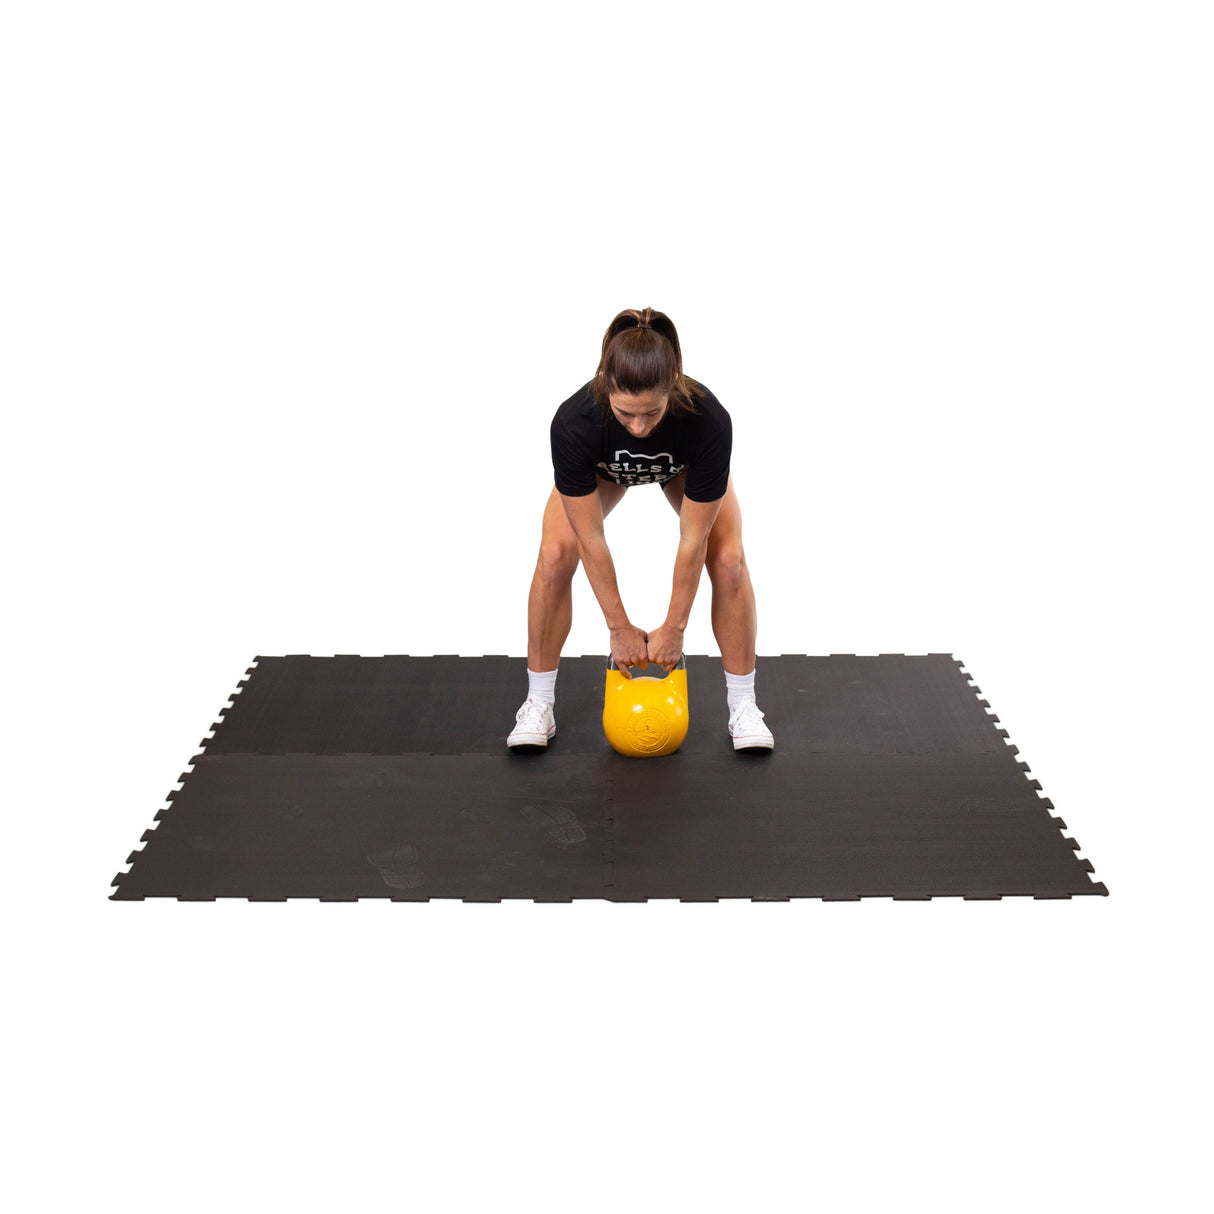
(389, 777)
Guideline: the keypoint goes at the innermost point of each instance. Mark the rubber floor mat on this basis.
(349, 777)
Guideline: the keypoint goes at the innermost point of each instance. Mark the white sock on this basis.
(740, 687)
(541, 685)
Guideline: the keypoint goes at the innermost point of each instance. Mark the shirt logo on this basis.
(620, 455)
(639, 468)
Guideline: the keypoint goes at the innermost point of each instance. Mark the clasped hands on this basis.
(634, 647)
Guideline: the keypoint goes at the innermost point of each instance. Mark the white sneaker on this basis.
(747, 729)
(534, 724)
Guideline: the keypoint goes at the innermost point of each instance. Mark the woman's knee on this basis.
(726, 562)
(558, 560)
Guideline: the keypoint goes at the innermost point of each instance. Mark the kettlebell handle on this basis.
(681, 664)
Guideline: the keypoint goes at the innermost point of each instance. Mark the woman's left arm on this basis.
(696, 520)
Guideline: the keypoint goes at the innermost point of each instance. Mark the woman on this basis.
(641, 421)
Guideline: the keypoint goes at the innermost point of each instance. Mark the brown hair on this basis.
(641, 353)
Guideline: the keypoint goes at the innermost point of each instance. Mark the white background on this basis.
(290, 293)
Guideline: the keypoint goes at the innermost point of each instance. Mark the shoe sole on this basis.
(530, 739)
(754, 743)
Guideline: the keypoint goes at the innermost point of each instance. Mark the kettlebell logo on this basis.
(650, 730)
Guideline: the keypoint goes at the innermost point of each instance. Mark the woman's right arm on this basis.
(585, 515)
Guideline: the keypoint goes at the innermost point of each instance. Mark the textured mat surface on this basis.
(351, 777)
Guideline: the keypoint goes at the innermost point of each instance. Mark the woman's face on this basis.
(641, 414)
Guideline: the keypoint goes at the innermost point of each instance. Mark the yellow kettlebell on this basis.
(643, 716)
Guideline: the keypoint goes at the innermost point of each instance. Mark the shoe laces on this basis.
(531, 714)
(745, 713)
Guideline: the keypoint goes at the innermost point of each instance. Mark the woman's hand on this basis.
(628, 648)
(665, 646)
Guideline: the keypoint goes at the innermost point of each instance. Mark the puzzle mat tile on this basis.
(408, 827)
(465, 705)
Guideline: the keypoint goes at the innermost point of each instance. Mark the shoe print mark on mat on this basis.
(560, 822)
(398, 866)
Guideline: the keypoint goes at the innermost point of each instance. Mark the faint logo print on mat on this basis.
(398, 866)
(559, 820)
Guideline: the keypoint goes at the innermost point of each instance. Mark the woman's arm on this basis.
(585, 515)
(696, 519)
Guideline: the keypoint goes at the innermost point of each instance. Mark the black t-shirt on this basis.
(586, 444)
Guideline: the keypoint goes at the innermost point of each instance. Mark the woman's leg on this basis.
(734, 619)
(550, 603)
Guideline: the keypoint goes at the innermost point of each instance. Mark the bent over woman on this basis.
(641, 421)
